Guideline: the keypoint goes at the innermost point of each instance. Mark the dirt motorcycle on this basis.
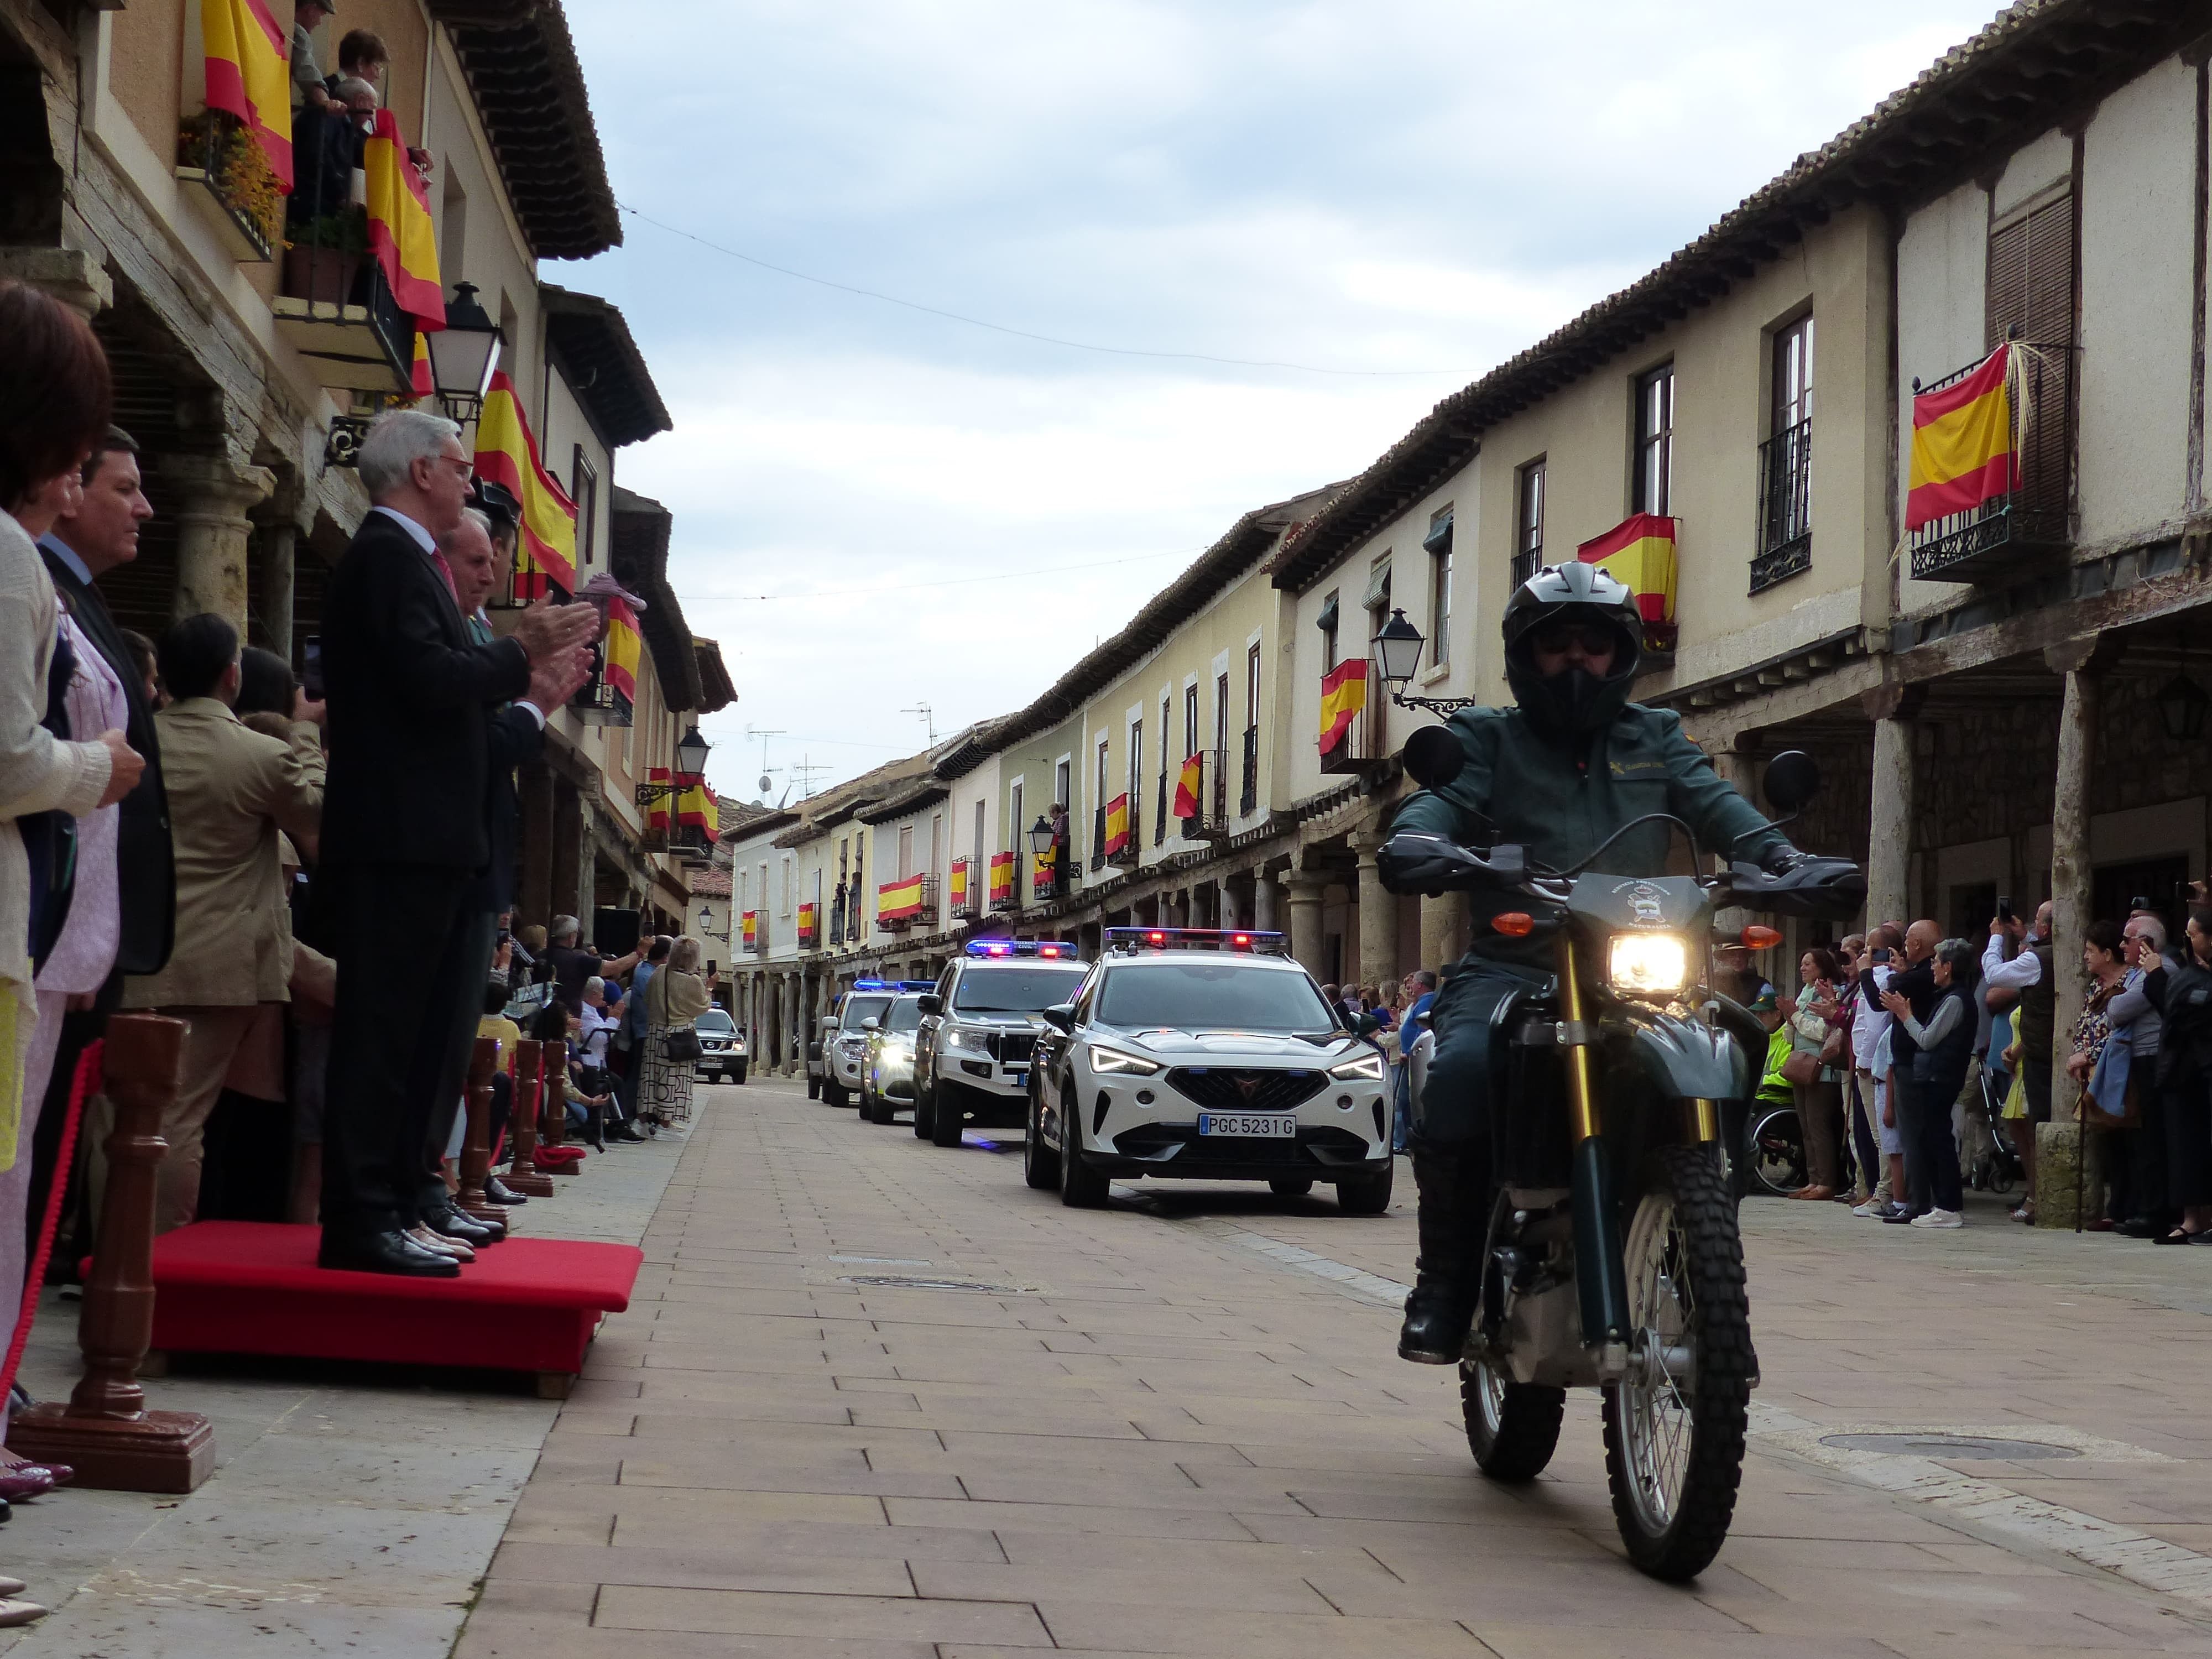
(1612, 1259)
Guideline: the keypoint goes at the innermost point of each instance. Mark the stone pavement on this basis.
(350, 1509)
(878, 1400)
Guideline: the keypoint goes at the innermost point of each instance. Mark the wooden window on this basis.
(1136, 772)
(1528, 521)
(1793, 374)
(586, 494)
(1440, 604)
(1785, 461)
(1252, 688)
(906, 851)
(2030, 298)
(1654, 483)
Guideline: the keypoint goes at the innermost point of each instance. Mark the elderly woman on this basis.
(1945, 1042)
(675, 998)
(1819, 1098)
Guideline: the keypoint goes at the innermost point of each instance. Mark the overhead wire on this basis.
(947, 581)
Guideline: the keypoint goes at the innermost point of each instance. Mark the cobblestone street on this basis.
(878, 1400)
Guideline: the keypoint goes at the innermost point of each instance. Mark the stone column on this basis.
(1266, 913)
(2058, 1144)
(1306, 886)
(1443, 927)
(211, 533)
(534, 879)
(1378, 921)
(1892, 709)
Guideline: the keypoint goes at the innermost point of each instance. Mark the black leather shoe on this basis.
(453, 1224)
(499, 1192)
(1435, 1331)
(624, 1132)
(389, 1252)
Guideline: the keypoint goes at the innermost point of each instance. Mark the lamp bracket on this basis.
(1439, 706)
(343, 447)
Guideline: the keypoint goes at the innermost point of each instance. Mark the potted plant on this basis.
(323, 255)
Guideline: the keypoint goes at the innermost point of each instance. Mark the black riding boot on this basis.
(1454, 1217)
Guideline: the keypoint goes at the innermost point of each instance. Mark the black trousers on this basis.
(1454, 1104)
(478, 940)
(1931, 1150)
(2188, 1112)
(406, 961)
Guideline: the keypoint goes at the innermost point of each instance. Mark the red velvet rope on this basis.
(83, 1087)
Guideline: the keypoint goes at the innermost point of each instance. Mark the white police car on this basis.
(979, 1030)
(845, 1039)
(1206, 1054)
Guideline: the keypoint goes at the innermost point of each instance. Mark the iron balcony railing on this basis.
(1527, 564)
(1785, 506)
(1160, 814)
(1211, 821)
(1986, 542)
(1097, 839)
(1247, 794)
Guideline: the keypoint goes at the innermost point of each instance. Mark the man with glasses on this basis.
(1570, 764)
(2140, 1209)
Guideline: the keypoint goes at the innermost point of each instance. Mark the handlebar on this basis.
(1415, 862)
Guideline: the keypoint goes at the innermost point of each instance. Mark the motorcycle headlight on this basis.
(1110, 1061)
(1369, 1066)
(1648, 964)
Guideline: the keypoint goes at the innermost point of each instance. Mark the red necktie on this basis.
(446, 571)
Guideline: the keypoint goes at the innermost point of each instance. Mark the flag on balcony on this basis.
(1343, 694)
(401, 235)
(697, 807)
(1964, 449)
(1117, 824)
(750, 924)
(1187, 785)
(808, 927)
(622, 648)
(507, 454)
(249, 74)
(420, 380)
(1002, 878)
(899, 901)
(656, 816)
(958, 886)
(1639, 551)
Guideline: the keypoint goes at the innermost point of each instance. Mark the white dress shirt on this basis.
(2023, 970)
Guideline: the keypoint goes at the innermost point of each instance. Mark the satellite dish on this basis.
(765, 785)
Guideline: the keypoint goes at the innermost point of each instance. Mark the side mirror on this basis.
(1368, 1025)
(930, 1003)
(870, 1024)
(1433, 756)
(1791, 779)
(1061, 1014)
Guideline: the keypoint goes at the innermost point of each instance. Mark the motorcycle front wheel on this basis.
(1674, 1428)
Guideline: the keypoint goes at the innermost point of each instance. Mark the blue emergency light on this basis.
(999, 949)
(1186, 938)
(894, 985)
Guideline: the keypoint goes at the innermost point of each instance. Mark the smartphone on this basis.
(311, 666)
(2004, 908)
(1879, 956)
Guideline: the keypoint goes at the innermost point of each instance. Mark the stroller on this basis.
(1995, 1167)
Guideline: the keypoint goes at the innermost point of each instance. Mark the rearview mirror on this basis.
(1792, 778)
(870, 1024)
(930, 1003)
(1061, 1014)
(1433, 756)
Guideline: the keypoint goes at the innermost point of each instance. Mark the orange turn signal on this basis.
(1760, 939)
(1515, 923)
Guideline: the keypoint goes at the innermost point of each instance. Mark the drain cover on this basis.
(1952, 1446)
(899, 1282)
(883, 1261)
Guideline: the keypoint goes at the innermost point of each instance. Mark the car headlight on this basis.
(1109, 1061)
(1369, 1066)
(1648, 964)
(976, 1043)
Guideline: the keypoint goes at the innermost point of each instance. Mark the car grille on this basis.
(1246, 1088)
(1013, 1045)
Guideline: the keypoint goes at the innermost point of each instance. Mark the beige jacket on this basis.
(231, 790)
(675, 999)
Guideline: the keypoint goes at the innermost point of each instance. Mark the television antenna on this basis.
(767, 775)
(805, 772)
(929, 719)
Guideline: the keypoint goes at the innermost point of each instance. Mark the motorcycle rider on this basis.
(1568, 764)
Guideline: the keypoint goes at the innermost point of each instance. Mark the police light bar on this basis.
(1218, 939)
(894, 985)
(1002, 948)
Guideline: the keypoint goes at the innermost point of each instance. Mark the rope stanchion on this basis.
(83, 1087)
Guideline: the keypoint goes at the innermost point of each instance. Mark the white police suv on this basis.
(1206, 1054)
(845, 1039)
(979, 1030)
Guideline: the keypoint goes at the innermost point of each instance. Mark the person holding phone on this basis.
(1869, 1025)
(2017, 973)
(2180, 988)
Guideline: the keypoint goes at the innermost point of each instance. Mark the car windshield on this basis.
(1014, 990)
(860, 1008)
(715, 1020)
(906, 1015)
(1227, 995)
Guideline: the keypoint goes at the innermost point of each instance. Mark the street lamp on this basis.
(463, 354)
(691, 752)
(1397, 652)
(2181, 708)
(1040, 837)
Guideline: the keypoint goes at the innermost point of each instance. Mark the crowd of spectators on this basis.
(320, 891)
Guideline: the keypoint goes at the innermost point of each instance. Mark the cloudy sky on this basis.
(1400, 192)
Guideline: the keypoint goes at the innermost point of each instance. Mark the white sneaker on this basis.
(1939, 1218)
(1872, 1209)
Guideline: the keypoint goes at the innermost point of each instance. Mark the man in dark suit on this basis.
(405, 833)
(98, 536)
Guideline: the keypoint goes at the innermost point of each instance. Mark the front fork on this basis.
(1600, 1278)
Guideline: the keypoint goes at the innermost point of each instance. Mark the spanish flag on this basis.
(622, 648)
(1044, 870)
(1187, 786)
(507, 454)
(1639, 551)
(958, 884)
(401, 235)
(1117, 824)
(1343, 695)
(751, 936)
(421, 381)
(897, 901)
(1002, 878)
(809, 928)
(249, 74)
(656, 816)
(697, 807)
(1963, 448)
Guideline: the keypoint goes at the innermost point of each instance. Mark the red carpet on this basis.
(530, 1305)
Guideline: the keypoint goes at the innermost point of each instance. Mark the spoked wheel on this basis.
(1774, 1152)
(1674, 1426)
(1512, 1428)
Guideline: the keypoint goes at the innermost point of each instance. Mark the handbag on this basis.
(681, 1045)
(1831, 1049)
(1802, 1067)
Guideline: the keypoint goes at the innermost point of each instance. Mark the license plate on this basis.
(1261, 1126)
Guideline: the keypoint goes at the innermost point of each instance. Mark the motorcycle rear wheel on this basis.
(1674, 1433)
(1512, 1428)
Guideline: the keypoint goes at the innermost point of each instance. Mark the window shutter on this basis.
(2030, 291)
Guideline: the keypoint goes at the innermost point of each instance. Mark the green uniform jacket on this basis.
(1561, 805)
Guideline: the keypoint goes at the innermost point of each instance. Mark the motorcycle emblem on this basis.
(1646, 903)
